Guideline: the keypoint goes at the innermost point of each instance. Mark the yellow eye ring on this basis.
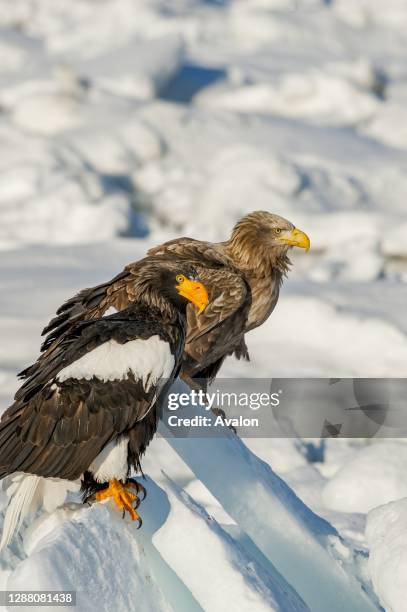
(180, 278)
(277, 230)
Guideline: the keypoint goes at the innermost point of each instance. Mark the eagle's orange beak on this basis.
(295, 237)
(195, 292)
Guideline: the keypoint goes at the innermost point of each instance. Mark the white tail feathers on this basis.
(22, 491)
(27, 493)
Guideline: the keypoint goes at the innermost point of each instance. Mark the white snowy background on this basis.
(127, 122)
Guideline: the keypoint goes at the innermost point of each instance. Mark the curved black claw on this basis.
(140, 522)
(90, 499)
(139, 488)
(219, 412)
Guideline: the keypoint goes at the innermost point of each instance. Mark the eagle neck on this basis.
(254, 257)
(154, 300)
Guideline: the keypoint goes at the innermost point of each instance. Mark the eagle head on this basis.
(268, 230)
(175, 281)
(180, 283)
(283, 234)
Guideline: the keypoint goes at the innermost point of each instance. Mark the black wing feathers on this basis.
(58, 429)
(75, 309)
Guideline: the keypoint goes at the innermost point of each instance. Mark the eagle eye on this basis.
(278, 230)
(180, 278)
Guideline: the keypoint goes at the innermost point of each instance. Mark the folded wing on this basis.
(101, 381)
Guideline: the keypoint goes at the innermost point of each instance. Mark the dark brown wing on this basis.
(189, 249)
(228, 295)
(89, 304)
(57, 428)
(60, 432)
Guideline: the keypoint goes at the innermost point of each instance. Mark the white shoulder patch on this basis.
(148, 360)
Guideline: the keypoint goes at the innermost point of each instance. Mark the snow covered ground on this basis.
(123, 124)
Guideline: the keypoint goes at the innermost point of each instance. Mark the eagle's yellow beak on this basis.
(195, 292)
(295, 237)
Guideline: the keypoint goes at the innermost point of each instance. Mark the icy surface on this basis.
(288, 533)
(232, 573)
(67, 551)
(386, 534)
(374, 476)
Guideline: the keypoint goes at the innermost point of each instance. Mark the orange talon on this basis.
(122, 497)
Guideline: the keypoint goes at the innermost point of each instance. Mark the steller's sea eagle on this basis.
(243, 276)
(88, 409)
